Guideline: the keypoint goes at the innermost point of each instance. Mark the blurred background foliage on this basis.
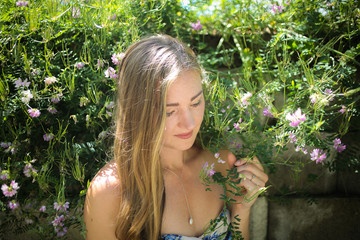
(282, 53)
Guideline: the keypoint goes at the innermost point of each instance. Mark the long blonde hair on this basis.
(145, 73)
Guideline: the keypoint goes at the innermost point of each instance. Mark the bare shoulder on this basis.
(102, 203)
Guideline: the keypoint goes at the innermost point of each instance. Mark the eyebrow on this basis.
(177, 104)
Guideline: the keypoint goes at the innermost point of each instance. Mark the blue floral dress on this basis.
(221, 231)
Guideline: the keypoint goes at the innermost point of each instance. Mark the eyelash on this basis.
(168, 114)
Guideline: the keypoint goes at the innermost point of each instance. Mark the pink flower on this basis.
(111, 73)
(11, 190)
(13, 204)
(75, 12)
(50, 80)
(34, 112)
(113, 17)
(4, 175)
(343, 109)
(100, 64)
(61, 231)
(42, 208)
(244, 100)
(58, 221)
(26, 96)
(267, 113)
(22, 3)
(117, 57)
(338, 145)
(79, 65)
(29, 170)
(209, 170)
(19, 83)
(296, 118)
(314, 98)
(318, 155)
(48, 137)
(196, 26)
(61, 207)
(237, 126)
(52, 110)
(292, 138)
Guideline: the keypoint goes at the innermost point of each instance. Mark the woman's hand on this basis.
(253, 179)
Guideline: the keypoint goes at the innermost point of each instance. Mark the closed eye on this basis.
(196, 104)
(168, 114)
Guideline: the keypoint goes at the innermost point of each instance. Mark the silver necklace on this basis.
(191, 221)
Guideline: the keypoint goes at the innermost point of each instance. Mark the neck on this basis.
(172, 159)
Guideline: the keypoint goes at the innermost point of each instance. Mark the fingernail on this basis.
(237, 163)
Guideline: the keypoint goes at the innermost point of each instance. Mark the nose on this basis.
(187, 120)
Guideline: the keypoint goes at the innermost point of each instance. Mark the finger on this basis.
(256, 162)
(258, 181)
(253, 170)
(231, 159)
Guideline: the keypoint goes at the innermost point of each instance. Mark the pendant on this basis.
(190, 221)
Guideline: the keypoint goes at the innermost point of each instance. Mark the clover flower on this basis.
(55, 99)
(314, 98)
(13, 204)
(29, 170)
(295, 118)
(275, 8)
(79, 65)
(217, 156)
(5, 145)
(61, 231)
(343, 109)
(100, 64)
(19, 83)
(292, 138)
(11, 190)
(338, 145)
(113, 17)
(244, 99)
(4, 175)
(52, 110)
(117, 57)
(50, 80)
(61, 207)
(42, 208)
(302, 149)
(111, 73)
(329, 92)
(76, 12)
(267, 113)
(34, 112)
(48, 137)
(22, 3)
(318, 155)
(27, 96)
(208, 170)
(196, 26)
(58, 221)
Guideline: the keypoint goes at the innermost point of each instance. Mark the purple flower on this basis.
(58, 221)
(111, 73)
(343, 109)
(5, 145)
(79, 65)
(52, 110)
(276, 8)
(314, 98)
(303, 150)
(18, 83)
(318, 155)
(117, 57)
(34, 112)
(4, 175)
(61, 207)
(292, 138)
(11, 190)
(42, 208)
(55, 99)
(50, 80)
(61, 231)
(338, 145)
(13, 204)
(22, 3)
(237, 126)
(29, 170)
(100, 64)
(113, 17)
(48, 137)
(267, 113)
(296, 118)
(209, 170)
(196, 26)
(75, 12)
(244, 100)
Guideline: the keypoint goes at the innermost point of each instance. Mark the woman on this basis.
(152, 189)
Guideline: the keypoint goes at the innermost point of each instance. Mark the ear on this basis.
(231, 159)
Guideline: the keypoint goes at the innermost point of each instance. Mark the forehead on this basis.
(184, 87)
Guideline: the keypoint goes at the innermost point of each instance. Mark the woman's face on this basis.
(184, 111)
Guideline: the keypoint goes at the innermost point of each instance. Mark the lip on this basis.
(185, 135)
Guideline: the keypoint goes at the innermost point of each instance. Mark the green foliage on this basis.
(258, 55)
